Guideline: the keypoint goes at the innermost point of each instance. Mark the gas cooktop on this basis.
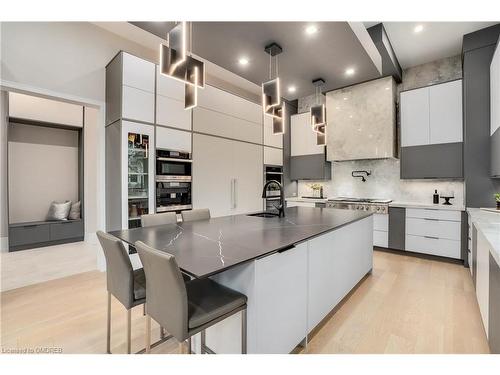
(360, 200)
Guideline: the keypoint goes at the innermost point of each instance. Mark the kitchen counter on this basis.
(206, 247)
(310, 200)
(426, 206)
(489, 224)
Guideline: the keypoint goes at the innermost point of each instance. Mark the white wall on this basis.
(43, 167)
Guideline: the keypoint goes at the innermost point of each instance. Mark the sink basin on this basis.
(264, 214)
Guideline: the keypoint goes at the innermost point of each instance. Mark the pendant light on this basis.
(176, 62)
(271, 91)
(318, 113)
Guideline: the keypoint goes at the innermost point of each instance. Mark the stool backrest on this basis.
(166, 299)
(159, 219)
(194, 215)
(119, 271)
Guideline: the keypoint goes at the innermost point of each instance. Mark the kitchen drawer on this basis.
(433, 246)
(380, 238)
(433, 213)
(29, 234)
(381, 222)
(66, 230)
(435, 228)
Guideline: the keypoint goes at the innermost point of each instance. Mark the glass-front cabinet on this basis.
(137, 172)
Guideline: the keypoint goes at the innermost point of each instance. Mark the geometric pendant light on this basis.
(318, 114)
(271, 91)
(176, 62)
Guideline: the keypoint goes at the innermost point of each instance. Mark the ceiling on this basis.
(326, 54)
(437, 40)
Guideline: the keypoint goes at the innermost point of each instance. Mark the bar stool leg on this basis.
(129, 331)
(244, 331)
(148, 334)
(108, 326)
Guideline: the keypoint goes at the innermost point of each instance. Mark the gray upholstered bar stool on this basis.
(123, 282)
(159, 219)
(194, 215)
(186, 309)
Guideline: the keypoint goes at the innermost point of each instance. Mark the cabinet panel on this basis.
(247, 172)
(483, 278)
(430, 213)
(273, 156)
(433, 246)
(221, 101)
(138, 73)
(171, 112)
(169, 87)
(270, 139)
(171, 139)
(435, 228)
(381, 222)
(212, 167)
(212, 122)
(494, 307)
(281, 284)
(29, 234)
(138, 104)
(445, 108)
(303, 139)
(415, 117)
(495, 92)
(66, 230)
(380, 238)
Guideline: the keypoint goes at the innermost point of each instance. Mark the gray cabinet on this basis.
(431, 132)
(397, 230)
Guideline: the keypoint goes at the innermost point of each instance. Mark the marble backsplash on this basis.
(384, 182)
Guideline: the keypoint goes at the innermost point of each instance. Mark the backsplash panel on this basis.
(384, 182)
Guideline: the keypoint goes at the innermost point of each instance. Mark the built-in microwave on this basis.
(173, 165)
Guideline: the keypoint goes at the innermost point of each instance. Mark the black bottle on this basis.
(435, 197)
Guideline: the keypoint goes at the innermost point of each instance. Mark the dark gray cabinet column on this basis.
(397, 228)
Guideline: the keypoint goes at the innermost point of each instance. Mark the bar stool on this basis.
(186, 309)
(194, 215)
(123, 282)
(159, 219)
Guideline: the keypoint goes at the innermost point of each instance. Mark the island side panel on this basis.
(337, 261)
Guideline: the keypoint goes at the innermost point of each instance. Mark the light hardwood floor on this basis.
(407, 305)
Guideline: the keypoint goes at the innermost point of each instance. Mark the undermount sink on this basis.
(264, 214)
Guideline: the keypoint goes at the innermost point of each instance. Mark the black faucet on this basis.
(281, 207)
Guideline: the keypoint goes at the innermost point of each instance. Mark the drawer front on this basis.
(381, 222)
(430, 213)
(380, 238)
(62, 231)
(29, 234)
(435, 228)
(433, 246)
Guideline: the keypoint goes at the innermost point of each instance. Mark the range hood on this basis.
(362, 121)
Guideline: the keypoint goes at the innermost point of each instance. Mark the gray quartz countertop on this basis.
(206, 247)
(489, 224)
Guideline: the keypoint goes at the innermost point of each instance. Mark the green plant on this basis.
(497, 197)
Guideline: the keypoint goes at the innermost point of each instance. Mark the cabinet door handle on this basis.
(286, 248)
(429, 219)
(432, 238)
(235, 193)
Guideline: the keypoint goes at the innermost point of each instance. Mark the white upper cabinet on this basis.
(40, 109)
(415, 117)
(303, 139)
(138, 105)
(138, 73)
(495, 91)
(169, 87)
(270, 139)
(273, 156)
(432, 115)
(221, 101)
(171, 139)
(171, 112)
(445, 107)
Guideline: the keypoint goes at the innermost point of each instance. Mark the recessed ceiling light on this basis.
(387, 88)
(243, 61)
(292, 89)
(345, 97)
(311, 29)
(418, 28)
(350, 71)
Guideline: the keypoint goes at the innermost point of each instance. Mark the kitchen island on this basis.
(294, 270)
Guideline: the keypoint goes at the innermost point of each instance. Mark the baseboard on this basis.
(4, 244)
